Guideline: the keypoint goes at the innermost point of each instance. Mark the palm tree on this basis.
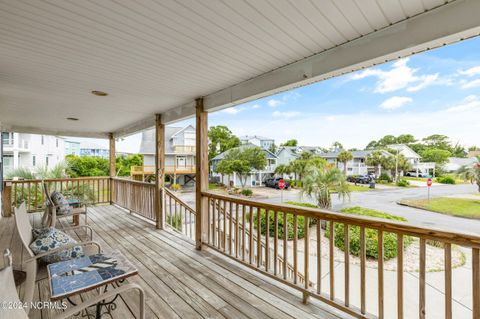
(471, 173)
(283, 169)
(375, 159)
(319, 182)
(344, 157)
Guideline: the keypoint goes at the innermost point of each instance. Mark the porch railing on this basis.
(137, 197)
(238, 240)
(92, 190)
(178, 214)
(265, 237)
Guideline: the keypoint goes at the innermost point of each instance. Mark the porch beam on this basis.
(201, 185)
(443, 25)
(112, 163)
(159, 170)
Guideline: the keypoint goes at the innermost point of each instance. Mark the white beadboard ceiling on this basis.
(158, 56)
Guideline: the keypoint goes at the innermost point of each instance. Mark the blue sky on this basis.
(433, 92)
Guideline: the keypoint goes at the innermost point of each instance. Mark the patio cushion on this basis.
(54, 238)
(62, 204)
(36, 232)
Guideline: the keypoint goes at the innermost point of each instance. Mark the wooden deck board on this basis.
(179, 281)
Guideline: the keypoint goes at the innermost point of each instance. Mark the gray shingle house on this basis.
(257, 178)
(179, 154)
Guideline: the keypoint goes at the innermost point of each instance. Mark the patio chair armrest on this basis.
(78, 227)
(68, 246)
(110, 293)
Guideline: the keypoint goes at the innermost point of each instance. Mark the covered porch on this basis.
(179, 281)
(109, 71)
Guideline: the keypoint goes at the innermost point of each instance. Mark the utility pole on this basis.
(396, 167)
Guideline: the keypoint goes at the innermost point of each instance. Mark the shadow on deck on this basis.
(179, 281)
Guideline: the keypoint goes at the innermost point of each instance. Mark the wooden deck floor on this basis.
(179, 281)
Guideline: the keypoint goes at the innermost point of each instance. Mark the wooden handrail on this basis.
(251, 247)
(179, 216)
(21, 181)
(289, 267)
(92, 190)
(459, 238)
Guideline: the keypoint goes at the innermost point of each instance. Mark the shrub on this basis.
(403, 183)
(176, 187)
(300, 222)
(246, 192)
(384, 177)
(175, 221)
(371, 235)
(445, 180)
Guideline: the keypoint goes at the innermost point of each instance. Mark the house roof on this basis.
(291, 150)
(403, 147)
(356, 154)
(147, 145)
(249, 137)
(221, 156)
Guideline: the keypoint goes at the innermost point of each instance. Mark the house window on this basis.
(34, 160)
(6, 138)
(46, 161)
(42, 140)
(56, 142)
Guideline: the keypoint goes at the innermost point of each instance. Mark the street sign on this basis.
(281, 184)
(429, 182)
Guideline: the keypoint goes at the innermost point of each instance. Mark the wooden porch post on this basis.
(201, 166)
(113, 164)
(7, 199)
(159, 169)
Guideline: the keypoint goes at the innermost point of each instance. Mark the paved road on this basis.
(386, 200)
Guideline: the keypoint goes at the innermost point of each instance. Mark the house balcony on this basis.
(147, 170)
(424, 166)
(244, 271)
(184, 149)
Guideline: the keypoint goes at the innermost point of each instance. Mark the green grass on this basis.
(462, 207)
(213, 186)
(420, 179)
(357, 188)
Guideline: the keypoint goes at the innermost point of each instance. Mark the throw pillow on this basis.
(52, 239)
(63, 207)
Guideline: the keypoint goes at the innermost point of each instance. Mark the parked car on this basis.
(273, 183)
(360, 179)
(414, 174)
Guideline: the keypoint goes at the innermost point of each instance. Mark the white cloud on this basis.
(470, 72)
(425, 81)
(255, 106)
(233, 110)
(274, 102)
(331, 118)
(471, 102)
(285, 115)
(400, 76)
(395, 102)
(471, 84)
(355, 129)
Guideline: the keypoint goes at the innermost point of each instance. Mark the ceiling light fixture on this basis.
(99, 93)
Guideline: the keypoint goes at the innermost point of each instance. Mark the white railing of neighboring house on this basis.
(424, 165)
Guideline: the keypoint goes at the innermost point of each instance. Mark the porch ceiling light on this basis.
(99, 93)
(72, 119)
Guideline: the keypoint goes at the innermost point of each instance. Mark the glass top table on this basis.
(71, 277)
